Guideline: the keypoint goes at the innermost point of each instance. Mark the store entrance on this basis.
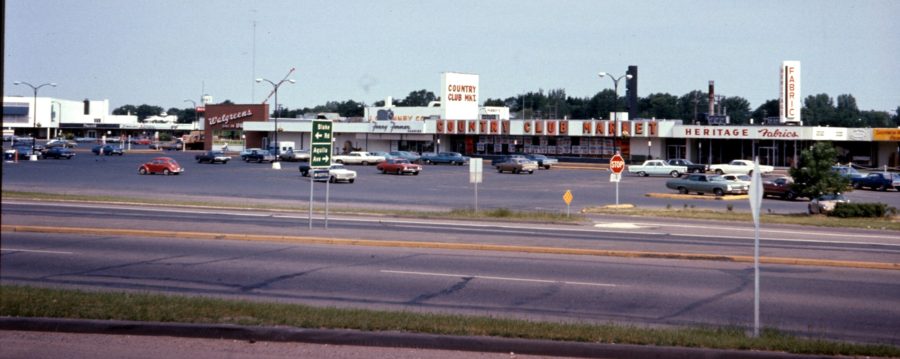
(676, 151)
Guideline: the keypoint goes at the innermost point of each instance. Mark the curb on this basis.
(455, 246)
(378, 339)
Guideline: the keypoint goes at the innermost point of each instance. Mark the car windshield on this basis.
(540, 157)
(337, 167)
(715, 178)
(832, 197)
(401, 161)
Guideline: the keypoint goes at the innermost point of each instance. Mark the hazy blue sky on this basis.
(161, 52)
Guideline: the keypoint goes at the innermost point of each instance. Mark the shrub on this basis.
(848, 210)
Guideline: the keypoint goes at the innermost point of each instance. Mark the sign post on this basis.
(755, 194)
(475, 176)
(616, 165)
(567, 197)
(319, 158)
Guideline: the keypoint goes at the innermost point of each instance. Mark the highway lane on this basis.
(604, 233)
(842, 303)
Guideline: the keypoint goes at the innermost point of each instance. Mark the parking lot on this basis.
(438, 187)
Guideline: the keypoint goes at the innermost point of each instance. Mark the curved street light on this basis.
(615, 105)
(34, 114)
(276, 86)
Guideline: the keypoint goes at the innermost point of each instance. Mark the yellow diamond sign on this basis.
(568, 197)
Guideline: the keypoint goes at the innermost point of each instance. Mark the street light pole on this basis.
(276, 86)
(34, 114)
(616, 105)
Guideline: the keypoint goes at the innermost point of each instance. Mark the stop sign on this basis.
(616, 164)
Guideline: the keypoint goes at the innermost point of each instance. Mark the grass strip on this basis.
(892, 223)
(20, 301)
(498, 213)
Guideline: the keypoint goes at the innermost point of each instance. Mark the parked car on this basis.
(543, 161)
(740, 166)
(496, 161)
(782, 187)
(247, 151)
(399, 166)
(335, 173)
(878, 180)
(213, 157)
(23, 152)
(657, 167)
(358, 158)
(59, 152)
(60, 142)
(293, 155)
(703, 183)
(848, 171)
(85, 139)
(409, 156)
(164, 165)
(259, 156)
(518, 165)
(691, 166)
(386, 155)
(140, 141)
(826, 203)
(108, 150)
(453, 158)
(737, 178)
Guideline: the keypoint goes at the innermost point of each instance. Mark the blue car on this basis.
(59, 152)
(108, 150)
(453, 158)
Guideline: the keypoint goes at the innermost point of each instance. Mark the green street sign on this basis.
(320, 149)
(321, 132)
(320, 155)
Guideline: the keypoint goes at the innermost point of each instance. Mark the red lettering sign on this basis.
(586, 127)
(564, 128)
(440, 126)
(494, 127)
(526, 127)
(551, 127)
(460, 126)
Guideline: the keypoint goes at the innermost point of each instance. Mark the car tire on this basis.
(642, 174)
(142, 171)
(790, 196)
(682, 190)
(166, 172)
(857, 185)
(531, 172)
(674, 174)
(351, 180)
(415, 173)
(339, 161)
(399, 172)
(547, 167)
(516, 171)
(331, 179)
(499, 170)
(718, 192)
(719, 172)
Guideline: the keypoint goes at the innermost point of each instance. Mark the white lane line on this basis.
(499, 278)
(32, 251)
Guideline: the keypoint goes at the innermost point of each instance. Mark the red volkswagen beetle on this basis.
(164, 165)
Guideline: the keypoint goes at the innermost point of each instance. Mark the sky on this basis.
(163, 52)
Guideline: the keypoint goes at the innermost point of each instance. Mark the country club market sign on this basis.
(739, 132)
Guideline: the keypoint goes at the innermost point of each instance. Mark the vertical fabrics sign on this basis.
(459, 96)
(789, 102)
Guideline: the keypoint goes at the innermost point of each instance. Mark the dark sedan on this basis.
(59, 152)
(108, 150)
(213, 157)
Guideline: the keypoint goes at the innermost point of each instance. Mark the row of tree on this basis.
(818, 110)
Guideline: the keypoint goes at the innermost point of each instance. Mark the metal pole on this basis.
(276, 123)
(312, 181)
(476, 197)
(327, 195)
(617, 193)
(756, 283)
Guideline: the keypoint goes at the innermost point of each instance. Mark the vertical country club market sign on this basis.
(459, 96)
(320, 147)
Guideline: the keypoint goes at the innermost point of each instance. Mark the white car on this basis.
(295, 155)
(657, 167)
(826, 203)
(740, 167)
(358, 158)
(335, 173)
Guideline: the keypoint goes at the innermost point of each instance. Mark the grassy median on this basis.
(18, 301)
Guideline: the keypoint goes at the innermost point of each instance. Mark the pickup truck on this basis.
(259, 156)
(691, 167)
(453, 158)
(358, 158)
(878, 180)
(294, 155)
(740, 166)
(657, 167)
(703, 183)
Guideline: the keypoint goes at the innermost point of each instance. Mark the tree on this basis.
(692, 105)
(767, 109)
(896, 117)
(818, 110)
(418, 99)
(144, 111)
(125, 110)
(660, 105)
(813, 176)
(847, 112)
(738, 109)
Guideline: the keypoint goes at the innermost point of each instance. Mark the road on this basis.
(846, 303)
